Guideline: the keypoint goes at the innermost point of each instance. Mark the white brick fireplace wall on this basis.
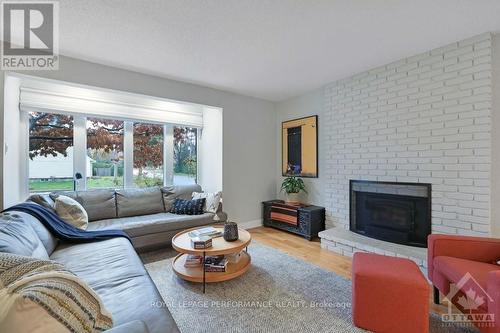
(422, 119)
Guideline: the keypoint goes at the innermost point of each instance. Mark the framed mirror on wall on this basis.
(299, 147)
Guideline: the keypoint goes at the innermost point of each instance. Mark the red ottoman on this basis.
(389, 294)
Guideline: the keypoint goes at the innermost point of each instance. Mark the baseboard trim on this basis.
(250, 224)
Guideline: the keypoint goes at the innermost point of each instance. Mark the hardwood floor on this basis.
(301, 248)
(312, 252)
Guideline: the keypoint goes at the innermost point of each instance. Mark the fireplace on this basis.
(393, 212)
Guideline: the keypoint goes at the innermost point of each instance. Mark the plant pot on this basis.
(292, 198)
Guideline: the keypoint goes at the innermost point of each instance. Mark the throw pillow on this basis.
(172, 192)
(71, 212)
(43, 200)
(212, 200)
(43, 293)
(188, 207)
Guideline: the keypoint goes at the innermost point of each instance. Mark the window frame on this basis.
(80, 150)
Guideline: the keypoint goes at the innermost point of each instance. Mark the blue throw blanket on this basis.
(63, 230)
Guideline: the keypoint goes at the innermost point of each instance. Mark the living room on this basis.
(262, 166)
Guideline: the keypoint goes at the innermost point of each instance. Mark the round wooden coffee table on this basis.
(182, 244)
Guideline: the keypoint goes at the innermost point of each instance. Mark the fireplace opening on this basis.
(394, 212)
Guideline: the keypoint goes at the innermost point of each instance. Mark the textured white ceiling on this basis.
(272, 49)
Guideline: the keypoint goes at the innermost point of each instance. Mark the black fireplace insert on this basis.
(390, 211)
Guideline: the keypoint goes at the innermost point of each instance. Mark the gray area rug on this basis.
(278, 294)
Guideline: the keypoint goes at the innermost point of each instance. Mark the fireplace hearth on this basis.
(394, 212)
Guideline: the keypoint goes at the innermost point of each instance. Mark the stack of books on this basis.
(202, 242)
(208, 231)
(215, 263)
(193, 261)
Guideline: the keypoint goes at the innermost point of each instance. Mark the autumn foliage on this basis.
(52, 134)
(148, 145)
(49, 134)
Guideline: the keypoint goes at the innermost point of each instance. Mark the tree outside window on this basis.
(185, 155)
(148, 155)
(105, 151)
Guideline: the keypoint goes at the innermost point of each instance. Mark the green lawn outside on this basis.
(101, 182)
(37, 185)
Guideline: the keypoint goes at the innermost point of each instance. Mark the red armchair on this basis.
(451, 258)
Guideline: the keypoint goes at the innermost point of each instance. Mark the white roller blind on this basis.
(111, 105)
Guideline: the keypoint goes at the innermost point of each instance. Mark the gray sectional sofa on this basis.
(142, 213)
(112, 267)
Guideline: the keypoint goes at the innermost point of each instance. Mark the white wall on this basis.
(11, 145)
(306, 105)
(210, 151)
(249, 157)
(495, 131)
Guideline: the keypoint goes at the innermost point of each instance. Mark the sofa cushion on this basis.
(115, 272)
(48, 240)
(99, 204)
(135, 326)
(139, 201)
(71, 212)
(454, 269)
(18, 237)
(149, 224)
(172, 192)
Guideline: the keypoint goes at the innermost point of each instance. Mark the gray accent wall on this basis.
(249, 152)
(303, 106)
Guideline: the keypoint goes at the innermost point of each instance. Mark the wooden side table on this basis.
(182, 244)
(310, 219)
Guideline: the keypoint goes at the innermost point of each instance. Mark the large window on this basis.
(50, 152)
(108, 153)
(185, 155)
(148, 155)
(104, 153)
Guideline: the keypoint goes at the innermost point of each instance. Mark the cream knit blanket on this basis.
(62, 294)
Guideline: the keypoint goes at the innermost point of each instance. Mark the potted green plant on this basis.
(292, 187)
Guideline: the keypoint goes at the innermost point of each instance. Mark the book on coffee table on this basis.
(208, 231)
(215, 263)
(193, 260)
